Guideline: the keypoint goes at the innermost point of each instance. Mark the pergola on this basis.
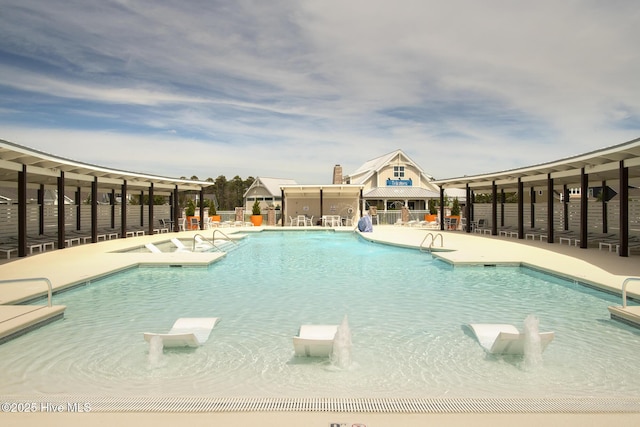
(320, 200)
(31, 169)
(619, 163)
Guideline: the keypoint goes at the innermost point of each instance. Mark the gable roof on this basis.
(272, 185)
(364, 172)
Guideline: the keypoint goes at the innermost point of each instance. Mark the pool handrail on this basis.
(33, 279)
(212, 241)
(624, 289)
(213, 237)
(433, 239)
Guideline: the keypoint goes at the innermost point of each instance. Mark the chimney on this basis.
(337, 174)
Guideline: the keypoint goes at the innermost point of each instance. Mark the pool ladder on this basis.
(213, 239)
(432, 241)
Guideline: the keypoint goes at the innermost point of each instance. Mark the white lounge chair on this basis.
(202, 244)
(178, 244)
(153, 248)
(505, 339)
(186, 332)
(315, 340)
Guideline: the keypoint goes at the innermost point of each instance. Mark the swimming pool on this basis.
(405, 311)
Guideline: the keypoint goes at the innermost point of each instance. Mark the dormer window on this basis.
(398, 171)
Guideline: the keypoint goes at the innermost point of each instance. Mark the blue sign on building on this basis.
(399, 182)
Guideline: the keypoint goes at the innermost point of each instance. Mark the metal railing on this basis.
(33, 279)
(211, 241)
(624, 289)
(433, 239)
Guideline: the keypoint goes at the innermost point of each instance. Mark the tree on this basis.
(455, 208)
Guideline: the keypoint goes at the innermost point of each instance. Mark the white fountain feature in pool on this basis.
(532, 344)
(341, 354)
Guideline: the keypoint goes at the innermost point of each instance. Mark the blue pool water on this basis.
(406, 311)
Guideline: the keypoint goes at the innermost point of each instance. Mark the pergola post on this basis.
(467, 210)
(550, 216)
(202, 208)
(22, 212)
(141, 208)
(151, 222)
(494, 209)
(94, 210)
(123, 210)
(584, 215)
(441, 208)
(605, 213)
(532, 202)
(624, 210)
(78, 203)
(503, 200)
(175, 206)
(565, 207)
(61, 211)
(112, 202)
(520, 209)
(41, 209)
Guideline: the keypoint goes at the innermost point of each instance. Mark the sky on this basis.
(290, 88)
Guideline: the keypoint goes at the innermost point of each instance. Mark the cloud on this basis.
(289, 88)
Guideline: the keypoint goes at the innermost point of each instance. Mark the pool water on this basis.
(406, 312)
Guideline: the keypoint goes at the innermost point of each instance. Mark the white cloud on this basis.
(288, 88)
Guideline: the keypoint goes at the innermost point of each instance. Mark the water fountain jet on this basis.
(341, 353)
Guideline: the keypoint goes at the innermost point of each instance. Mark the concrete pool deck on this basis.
(79, 264)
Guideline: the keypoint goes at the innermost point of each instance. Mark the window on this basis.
(398, 171)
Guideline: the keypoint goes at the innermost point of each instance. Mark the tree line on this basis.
(225, 194)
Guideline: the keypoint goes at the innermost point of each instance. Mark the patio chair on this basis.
(207, 223)
(453, 224)
(194, 224)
